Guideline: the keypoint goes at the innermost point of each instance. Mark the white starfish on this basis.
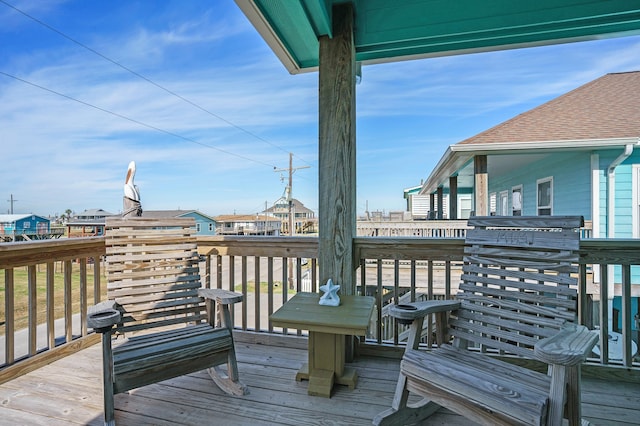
(330, 296)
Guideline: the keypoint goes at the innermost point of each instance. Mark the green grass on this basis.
(264, 287)
(21, 293)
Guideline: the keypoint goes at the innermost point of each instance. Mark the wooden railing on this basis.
(412, 228)
(268, 271)
(48, 286)
(404, 269)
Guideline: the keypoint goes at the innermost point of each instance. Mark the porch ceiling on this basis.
(390, 31)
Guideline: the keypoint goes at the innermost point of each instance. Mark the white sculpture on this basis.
(130, 189)
(330, 296)
(131, 200)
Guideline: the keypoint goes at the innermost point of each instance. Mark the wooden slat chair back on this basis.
(156, 301)
(518, 284)
(517, 297)
(152, 272)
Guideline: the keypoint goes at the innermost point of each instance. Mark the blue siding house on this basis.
(578, 154)
(205, 225)
(23, 226)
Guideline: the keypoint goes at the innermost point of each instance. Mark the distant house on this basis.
(89, 223)
(205, 225)
(304, 219)
(20, 227)
(417, 204)
(577, 154)
(242, 224)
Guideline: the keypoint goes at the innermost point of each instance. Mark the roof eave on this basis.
(264, 28)
(537, 146)
(458, 155)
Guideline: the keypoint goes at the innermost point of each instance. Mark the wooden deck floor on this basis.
(69, 391)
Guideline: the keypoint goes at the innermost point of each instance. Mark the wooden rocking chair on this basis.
(153, 288)
(518, 299)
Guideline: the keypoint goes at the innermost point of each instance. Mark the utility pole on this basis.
(11, 201)
(289, 191)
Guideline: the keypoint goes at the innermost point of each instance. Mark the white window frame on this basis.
(514, 190)
(465, 206)
(493, 204)
(550, 206)
(504, 207)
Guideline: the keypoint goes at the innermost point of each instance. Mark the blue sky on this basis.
(219, 155)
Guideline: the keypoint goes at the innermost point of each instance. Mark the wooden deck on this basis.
(69, 391)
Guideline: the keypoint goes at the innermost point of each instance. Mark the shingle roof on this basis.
(245, 218)
(6, 218)
(161, 214)
(606, 108)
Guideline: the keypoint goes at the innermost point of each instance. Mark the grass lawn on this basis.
(264, 287)
(21, 293)
(21, 290)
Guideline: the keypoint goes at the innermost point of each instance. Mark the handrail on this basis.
(430, 266)
(269, 270)
(62, 267)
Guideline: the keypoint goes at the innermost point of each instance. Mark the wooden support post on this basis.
(481, 204)
(337, 152)
(453, 197)
(440, 203)
(432, 206)
(107, 377)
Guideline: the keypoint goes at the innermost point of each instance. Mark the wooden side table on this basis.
(328, 326)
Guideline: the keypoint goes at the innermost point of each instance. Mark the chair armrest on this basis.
(570, 346)
(224, 297)
(104, 315)
(407, 312)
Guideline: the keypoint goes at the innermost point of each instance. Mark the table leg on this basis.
(326, 364)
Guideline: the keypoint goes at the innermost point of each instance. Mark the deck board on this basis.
(69, 391)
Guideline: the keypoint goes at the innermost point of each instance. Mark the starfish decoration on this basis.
(330, 296)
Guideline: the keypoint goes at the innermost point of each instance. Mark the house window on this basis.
(545, 196)
(197, 227)
(516, 200)
(504, 203)
(493, 201)
(464, 207)
(210, 227)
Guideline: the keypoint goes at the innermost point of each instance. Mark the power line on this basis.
(148, 80)
(133, 120)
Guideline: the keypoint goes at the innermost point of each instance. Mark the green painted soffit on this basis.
(390, 30)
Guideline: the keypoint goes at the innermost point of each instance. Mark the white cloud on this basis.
(69, 155)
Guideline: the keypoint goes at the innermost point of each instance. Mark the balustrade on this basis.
(269, 270)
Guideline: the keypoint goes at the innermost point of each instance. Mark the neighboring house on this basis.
(205, 225)
(417, 204)
(577, 154)
(89, 223)
(304, 219)
(17, 227)
(247, 224)
(423, 206)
